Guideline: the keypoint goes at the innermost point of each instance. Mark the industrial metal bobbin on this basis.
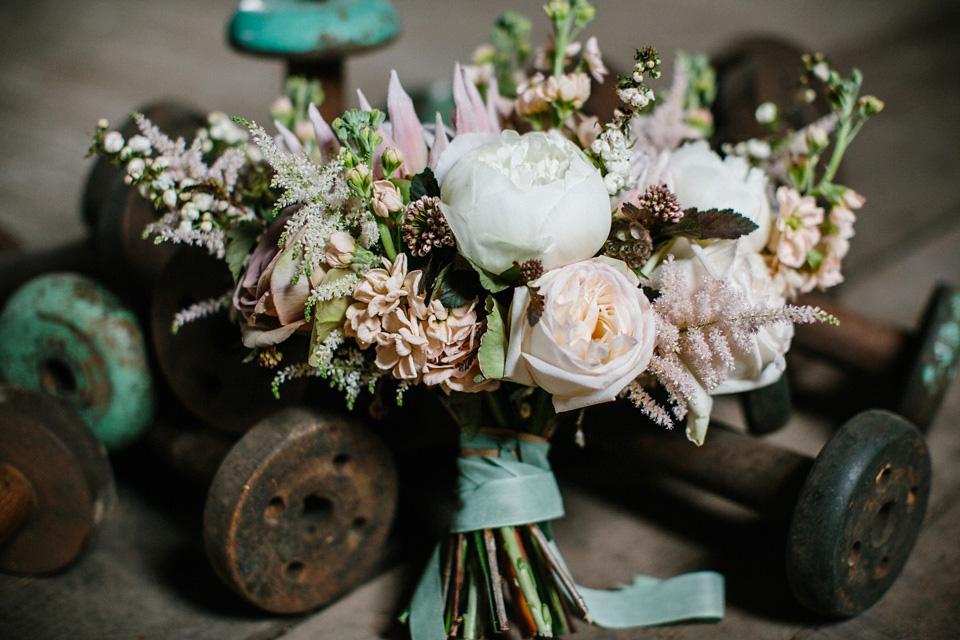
(69, 336)
(854, 512)
(204, 363)
(913, 369)
(298, 509)
(314, 37)
(56, 486)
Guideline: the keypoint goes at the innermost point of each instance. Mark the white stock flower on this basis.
(595, 335)
(509, 197)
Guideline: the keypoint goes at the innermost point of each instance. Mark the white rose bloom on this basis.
(700, 178)
(511, 198)
(765, 362)
(596, 334)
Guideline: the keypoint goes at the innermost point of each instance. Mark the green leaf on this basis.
(424, 184)
(723, 224)
(403, 186)
(683, 228)
(240, 241)
(493, 343)
(457, 288)
(489, 281)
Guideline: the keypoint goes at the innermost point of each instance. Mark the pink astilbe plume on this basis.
(700, 332)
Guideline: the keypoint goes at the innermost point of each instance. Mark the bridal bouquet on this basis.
(526, 261)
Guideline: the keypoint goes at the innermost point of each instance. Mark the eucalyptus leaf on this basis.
(493, 344)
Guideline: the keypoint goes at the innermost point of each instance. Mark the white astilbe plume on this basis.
(326, 208)
(194, 194)
(201, 310)
(346, 368)
(642, 400)
(699, 334)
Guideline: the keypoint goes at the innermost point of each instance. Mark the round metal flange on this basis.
(69, 475)
(299, 510)
(934, 356)
(859, 514)
(205, 362)
(65, 334)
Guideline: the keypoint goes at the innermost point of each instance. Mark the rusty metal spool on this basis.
(854, 512)
(204, 362)
(298, 510)
(69, 336)
(56, 486)
(314, 38)
(913, 369)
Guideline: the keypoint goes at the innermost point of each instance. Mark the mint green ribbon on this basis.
(517, 487)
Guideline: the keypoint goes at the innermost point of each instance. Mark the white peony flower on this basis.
(595, 335)
(509, 197)
(700, 178)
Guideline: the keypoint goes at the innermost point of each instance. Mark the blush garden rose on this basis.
(515, 197)
(596, 333)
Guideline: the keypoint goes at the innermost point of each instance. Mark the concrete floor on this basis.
(64, 66)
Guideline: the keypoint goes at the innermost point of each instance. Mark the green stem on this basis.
(493, 403)
(527, 582)
(843, 139)
(386, 238)
(561, 33)
(470, 616)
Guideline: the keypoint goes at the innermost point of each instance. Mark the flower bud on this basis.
(113, 142)
(340, 248)
(766, 113)
(870, 105)
(359, 177)
(391, 159)
(386, 199)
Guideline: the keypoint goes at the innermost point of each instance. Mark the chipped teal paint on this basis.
(67, 335)
(946, 348)
(312, 29)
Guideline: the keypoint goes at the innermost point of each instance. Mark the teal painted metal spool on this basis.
(314, 29)
(69, 336)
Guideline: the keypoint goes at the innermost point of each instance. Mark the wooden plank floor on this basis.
(64, 65)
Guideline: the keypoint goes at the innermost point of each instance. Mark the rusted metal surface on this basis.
(16, 501)
(858, 515)
(854, 512)
(915, 367)
(70, 481)
(17, 268)
(204, 362)
(68, 335)
(299, 510)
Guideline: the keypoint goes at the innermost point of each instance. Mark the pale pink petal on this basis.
(292, 143)
(405, 127)
(364, 103)
(470, 116)
(440, 143)
(493, 98)
(327, 140)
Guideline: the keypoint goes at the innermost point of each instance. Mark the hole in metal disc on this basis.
(884, 475)
(275, 508)
(341, 459)
(57, 377)
(293, 571)
(882, 567)
(912, 499)
(884, 523)
(317, 512)
(359, 523)
(854, 558)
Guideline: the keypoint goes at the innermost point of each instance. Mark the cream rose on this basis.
(510, 197)
(595, 335)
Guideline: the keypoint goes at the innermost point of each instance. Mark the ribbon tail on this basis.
(649, 601)
(426, 607)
